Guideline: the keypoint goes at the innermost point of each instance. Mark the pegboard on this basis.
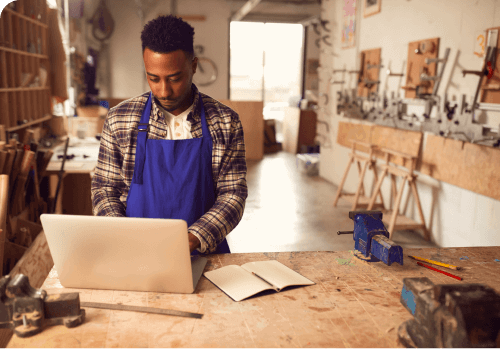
(418, 52)
(367, 73)
(490, 85)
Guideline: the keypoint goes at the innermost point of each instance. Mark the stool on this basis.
(397, 221)
(358, 199)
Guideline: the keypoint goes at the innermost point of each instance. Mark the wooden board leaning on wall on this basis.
(470, 166)
(404, 141)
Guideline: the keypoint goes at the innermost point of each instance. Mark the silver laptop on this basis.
(121, 253)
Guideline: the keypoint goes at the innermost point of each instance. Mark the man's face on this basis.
(170, 76)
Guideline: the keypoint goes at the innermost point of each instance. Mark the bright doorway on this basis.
(266, 65)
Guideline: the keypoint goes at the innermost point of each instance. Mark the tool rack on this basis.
(24, 69)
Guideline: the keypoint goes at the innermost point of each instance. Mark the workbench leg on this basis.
(377, 189)
(395, 211)
(341, 185)
(360, 186)
(413, 186)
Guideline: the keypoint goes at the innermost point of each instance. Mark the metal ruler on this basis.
(140, 309)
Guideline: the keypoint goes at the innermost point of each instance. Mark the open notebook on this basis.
(240, 282)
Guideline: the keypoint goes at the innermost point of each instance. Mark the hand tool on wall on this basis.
(28, 310)
(372, 238)
(449, 316)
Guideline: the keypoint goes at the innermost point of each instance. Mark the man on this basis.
(173, 152)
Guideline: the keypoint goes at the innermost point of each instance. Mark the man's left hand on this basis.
(194, 242)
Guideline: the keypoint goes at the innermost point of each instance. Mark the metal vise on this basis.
(372, 239)
(450, 316)
(27, 310)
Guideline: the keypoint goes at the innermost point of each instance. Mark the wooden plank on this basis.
(470, 166)
(349, 131)
(353, 304)
(252, 121)
(403, 141)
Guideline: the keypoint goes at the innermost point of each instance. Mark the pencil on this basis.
(442, 272)
(435, 263)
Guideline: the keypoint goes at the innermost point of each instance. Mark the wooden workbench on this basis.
(353, 304)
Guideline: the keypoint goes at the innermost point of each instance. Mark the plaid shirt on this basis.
(115, 168)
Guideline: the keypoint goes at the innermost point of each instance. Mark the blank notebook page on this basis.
(276, 273)
(236, 282)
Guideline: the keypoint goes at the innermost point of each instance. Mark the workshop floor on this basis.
(290, 211)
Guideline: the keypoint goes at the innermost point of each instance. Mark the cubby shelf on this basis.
(24, 67)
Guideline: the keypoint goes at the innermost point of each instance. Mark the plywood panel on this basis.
(349, 131)
(470, 166)
(404, 141)
(252, 120)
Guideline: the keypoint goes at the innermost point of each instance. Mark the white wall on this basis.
(126, 63)
(127, 67)
(456, 217)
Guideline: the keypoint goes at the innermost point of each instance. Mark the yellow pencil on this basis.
(436, 263)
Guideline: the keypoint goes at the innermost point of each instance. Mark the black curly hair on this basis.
(166, 34)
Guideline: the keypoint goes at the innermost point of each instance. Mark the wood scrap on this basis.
(17, 201)
(11, 155)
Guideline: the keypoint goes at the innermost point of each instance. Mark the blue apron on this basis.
(172, 178)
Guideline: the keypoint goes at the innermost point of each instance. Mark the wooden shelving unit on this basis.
(24, 68)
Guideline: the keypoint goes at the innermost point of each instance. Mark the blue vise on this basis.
(372, 239)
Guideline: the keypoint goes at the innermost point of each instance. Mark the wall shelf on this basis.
(28, 124)
(24, 62)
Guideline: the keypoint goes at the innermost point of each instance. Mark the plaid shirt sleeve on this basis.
(107, 183)
(114, 171)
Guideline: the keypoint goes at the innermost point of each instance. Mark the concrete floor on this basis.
(287, 210)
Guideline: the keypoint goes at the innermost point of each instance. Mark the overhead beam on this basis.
(245, 9)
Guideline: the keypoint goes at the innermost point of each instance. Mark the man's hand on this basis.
(194, 242)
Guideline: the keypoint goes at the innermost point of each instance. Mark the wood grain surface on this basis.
(353, 304)
(349, 132)
(470, 166)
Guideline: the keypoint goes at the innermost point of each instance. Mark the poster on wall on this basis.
(371, 7)
(349, 24)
